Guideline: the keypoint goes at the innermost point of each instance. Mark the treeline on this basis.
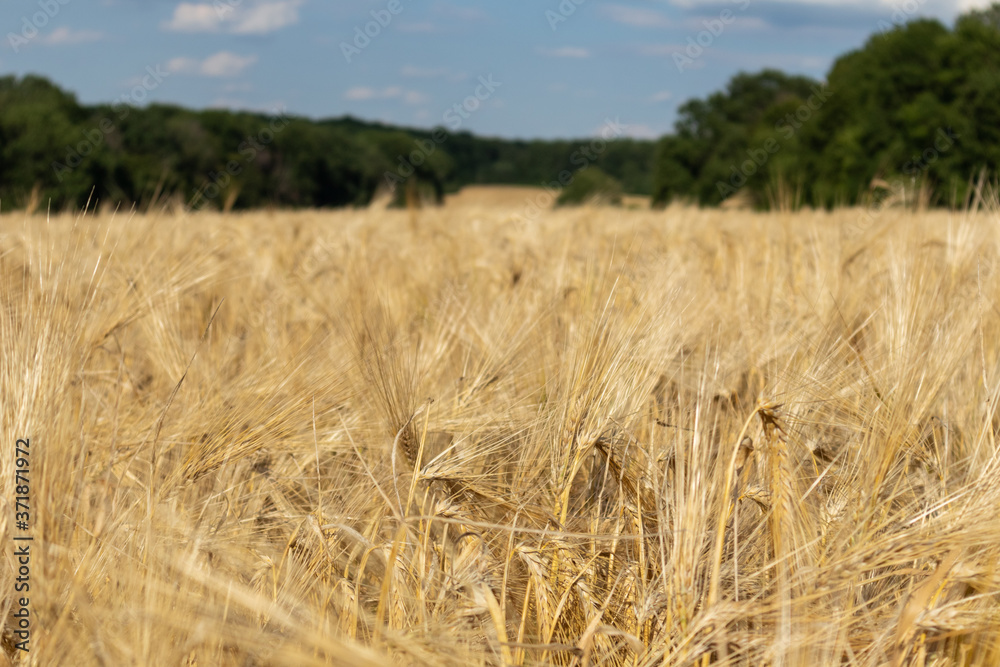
(55, 150)
(918, 106)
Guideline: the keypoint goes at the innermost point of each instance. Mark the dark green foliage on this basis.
(990, 16)
(142, 156)
(37, 122)
(717, 136)
(918, 105)
(591, 185)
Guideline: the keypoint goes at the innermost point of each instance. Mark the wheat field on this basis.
(461, 437)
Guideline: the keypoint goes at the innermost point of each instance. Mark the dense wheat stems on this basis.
(457, 437)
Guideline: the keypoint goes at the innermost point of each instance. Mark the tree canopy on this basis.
(919, 104)
(125, 154)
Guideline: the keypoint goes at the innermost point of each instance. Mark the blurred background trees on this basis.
(917, 105)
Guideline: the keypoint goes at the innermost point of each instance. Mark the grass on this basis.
(600, 437)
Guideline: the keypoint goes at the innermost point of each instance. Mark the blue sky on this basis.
(557, 68)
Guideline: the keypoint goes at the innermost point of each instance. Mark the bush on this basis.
(591, 186)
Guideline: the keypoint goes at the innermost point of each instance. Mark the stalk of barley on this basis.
(779, 521)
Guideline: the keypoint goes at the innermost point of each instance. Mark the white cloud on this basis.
(183, 66)
(636, 16)
(662, 96)
(189, 17)
(364, 94)
(742, 22)
(412, 71)
(361, 93)
(223, 64)
(413, 97)
(226, 64)
(566, 52)
(61, 36)
(256, 18)
(957, 5)
(267, 17)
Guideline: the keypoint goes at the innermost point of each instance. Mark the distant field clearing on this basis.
(514, 196)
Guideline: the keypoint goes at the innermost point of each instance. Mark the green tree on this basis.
(989, 16)
(591, 185)
(918, 103)
(39, 131)
(714, 138)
